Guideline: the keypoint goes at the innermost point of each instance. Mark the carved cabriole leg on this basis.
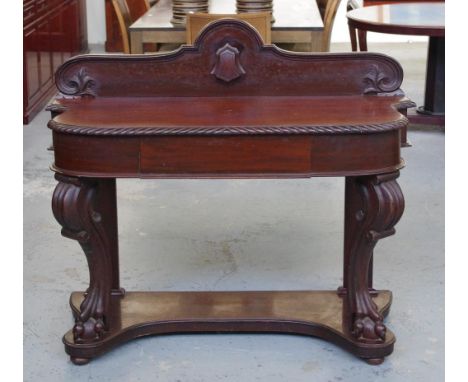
(353, 202)
(86, 210)
(376, 204)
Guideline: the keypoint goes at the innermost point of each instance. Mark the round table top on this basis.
(426, 19)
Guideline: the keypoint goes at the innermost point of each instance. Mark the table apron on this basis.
(180, 37)
(395, 29)
(257, 156)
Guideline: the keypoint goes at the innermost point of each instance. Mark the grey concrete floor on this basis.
(241, 235)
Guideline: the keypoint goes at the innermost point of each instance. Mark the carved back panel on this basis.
(229, 59)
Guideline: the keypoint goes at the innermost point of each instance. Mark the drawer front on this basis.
(232, 155)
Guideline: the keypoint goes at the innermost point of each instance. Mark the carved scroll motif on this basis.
(80, 84)
(73, 205)
(378, 82)
(228, 66)
(382, 205)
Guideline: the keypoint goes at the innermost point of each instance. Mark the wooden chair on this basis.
(321, 40)
(126, 14)
(138, 8)
(261, 21)
(362, 35)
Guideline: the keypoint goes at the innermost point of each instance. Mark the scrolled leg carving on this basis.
(377, 205)
(75, 208)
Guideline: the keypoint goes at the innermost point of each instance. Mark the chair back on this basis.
(128, 11)
(328, 9)
(123, 18)
(137, 8)
(261, 21)
(353, 4)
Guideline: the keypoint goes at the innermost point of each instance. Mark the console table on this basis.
(228, 107)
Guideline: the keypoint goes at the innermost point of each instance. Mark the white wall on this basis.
(96, 18)
(97, 27)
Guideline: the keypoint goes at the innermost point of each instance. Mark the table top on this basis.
(426, 19)
(297, 15)
(228, 115)
(224, 137)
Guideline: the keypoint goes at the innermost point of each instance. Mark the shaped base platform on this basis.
(314, 313)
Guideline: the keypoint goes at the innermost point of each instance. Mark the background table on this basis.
(427, 19)
(296, 22)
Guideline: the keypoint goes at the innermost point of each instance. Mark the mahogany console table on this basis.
(228, 107)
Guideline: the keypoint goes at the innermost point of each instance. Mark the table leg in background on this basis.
(136, 42)
(434, 98)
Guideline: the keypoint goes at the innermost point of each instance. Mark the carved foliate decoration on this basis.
(378, 81)
(228, 66)
(80, 84)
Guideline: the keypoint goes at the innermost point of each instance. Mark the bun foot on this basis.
(80, 361)
(374, 361)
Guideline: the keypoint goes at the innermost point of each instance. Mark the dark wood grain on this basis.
(115, 156)
(269, 71)
(377, 205)
(311, 313)
(227, 157)
(86, 210)
(262, 113)
(216, 115)
(53, 31)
